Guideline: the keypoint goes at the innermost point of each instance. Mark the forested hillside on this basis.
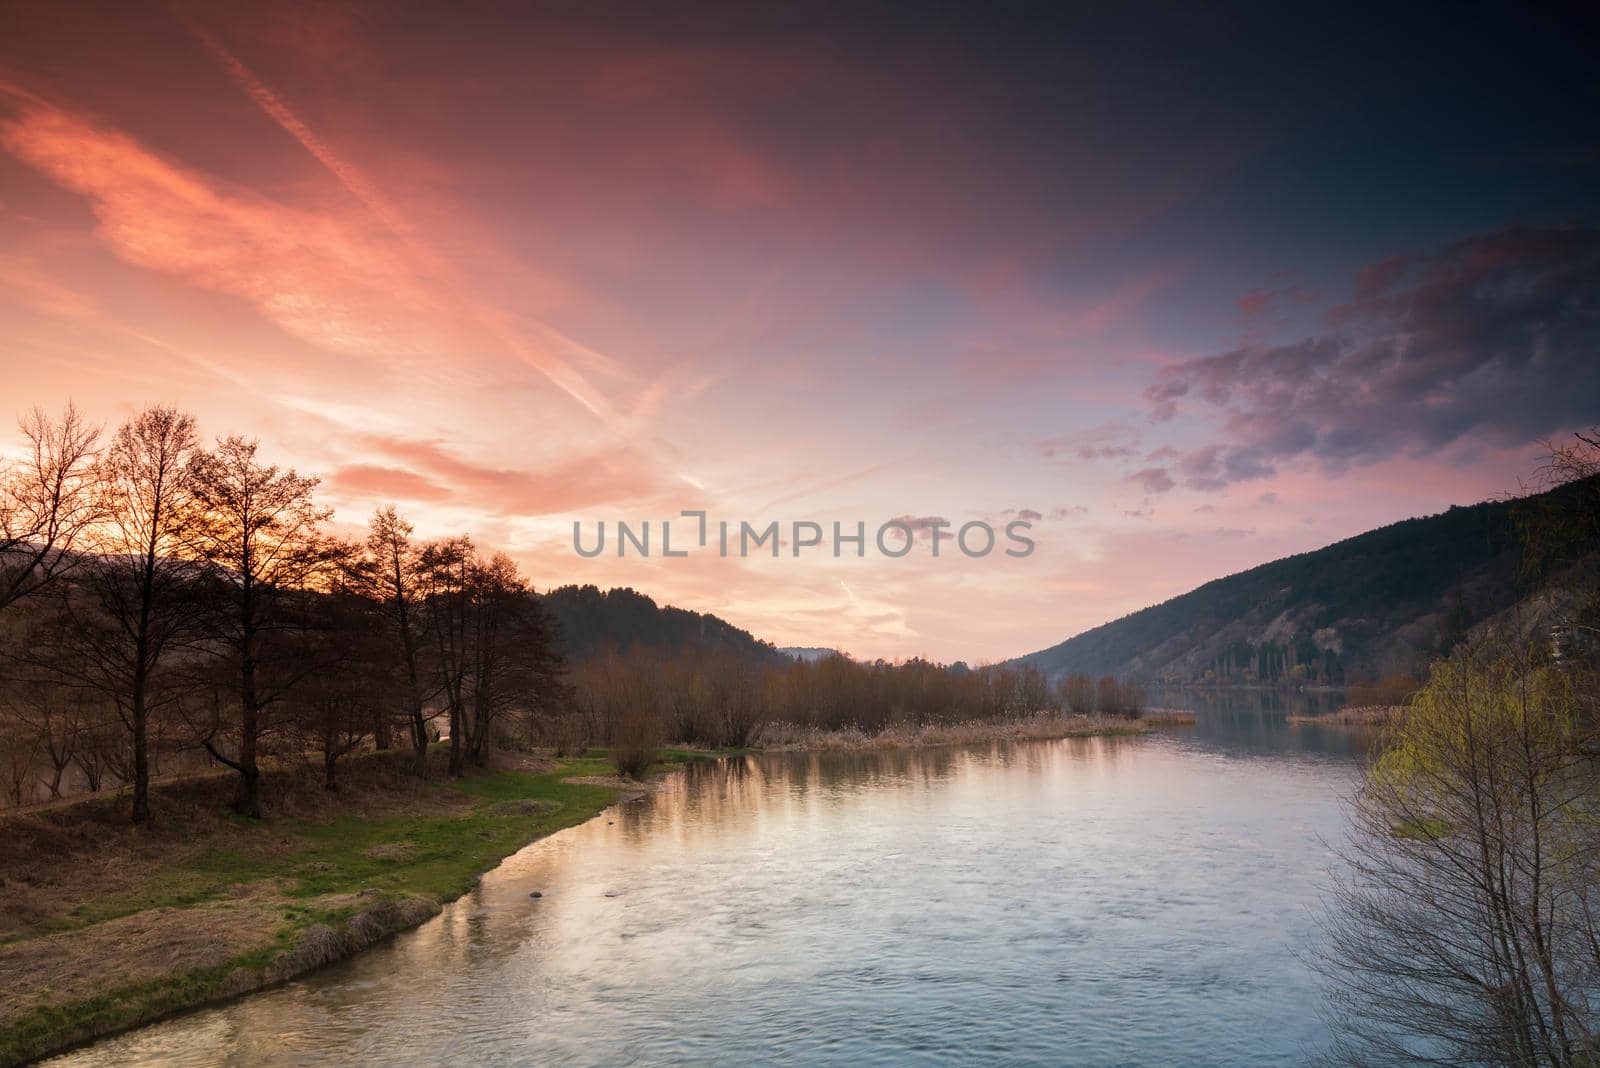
(1385, 601)
(589, 618)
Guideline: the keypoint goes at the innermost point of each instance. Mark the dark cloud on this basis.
(1152, 480)
(925, 524)
(1493, 340)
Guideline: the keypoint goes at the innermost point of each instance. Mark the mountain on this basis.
(1382, 602)
(590, 618)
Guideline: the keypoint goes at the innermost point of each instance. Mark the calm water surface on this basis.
(1092, 901)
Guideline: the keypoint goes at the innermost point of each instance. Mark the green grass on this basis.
(432, 855)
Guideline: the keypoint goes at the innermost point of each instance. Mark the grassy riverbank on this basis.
(104, 927)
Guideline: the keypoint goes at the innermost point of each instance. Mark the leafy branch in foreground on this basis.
(1466, 926)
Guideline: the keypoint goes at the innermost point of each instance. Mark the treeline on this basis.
(183, 599)
(643, 696)
(1298, 660)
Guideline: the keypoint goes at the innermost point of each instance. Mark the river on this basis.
(1091, 901)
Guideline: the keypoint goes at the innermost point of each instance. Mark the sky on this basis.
(1186, 289)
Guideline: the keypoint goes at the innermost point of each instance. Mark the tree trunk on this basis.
(248, 801)
(330, 766)
(419, 743)
(478, 749)
(456, 729)
(141, 763)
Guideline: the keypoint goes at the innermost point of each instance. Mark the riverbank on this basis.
(104, 926)
(788, 737)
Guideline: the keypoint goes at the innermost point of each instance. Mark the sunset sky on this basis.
(1191, 291)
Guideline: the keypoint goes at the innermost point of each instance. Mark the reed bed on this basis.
(793, 737)
(1352, 716)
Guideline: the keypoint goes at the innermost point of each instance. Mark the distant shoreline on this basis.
(790, 738)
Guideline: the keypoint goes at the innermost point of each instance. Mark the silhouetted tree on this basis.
(397, 582)
(446, 568)
(133, 603)
(257, 528)
(510, 654)
(49, 502)
(352, 686)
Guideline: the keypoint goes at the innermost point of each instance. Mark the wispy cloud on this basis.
(359, 285)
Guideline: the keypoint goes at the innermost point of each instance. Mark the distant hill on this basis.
(1385, 601)
(809, 653)
(590, 618)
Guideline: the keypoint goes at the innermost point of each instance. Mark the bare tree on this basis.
(1464, 928)
(258, 530)
(447, 568)
(54, 715)
(18, 751)
(132, 605)
(1077, 693)
(99, 750)
(514, 667)
(49, 502)
(396, 579)
(351, 690)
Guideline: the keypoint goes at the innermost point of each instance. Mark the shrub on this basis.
(637, 737)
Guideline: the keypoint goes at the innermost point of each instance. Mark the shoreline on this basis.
(237, 922)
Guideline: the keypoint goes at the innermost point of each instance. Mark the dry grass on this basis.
(63, 861)
(63, 968)
(789, 737)
(1168, 717)
(1352, 716)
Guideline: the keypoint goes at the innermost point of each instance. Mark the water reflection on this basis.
(1256, 721)
(1092, 900)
